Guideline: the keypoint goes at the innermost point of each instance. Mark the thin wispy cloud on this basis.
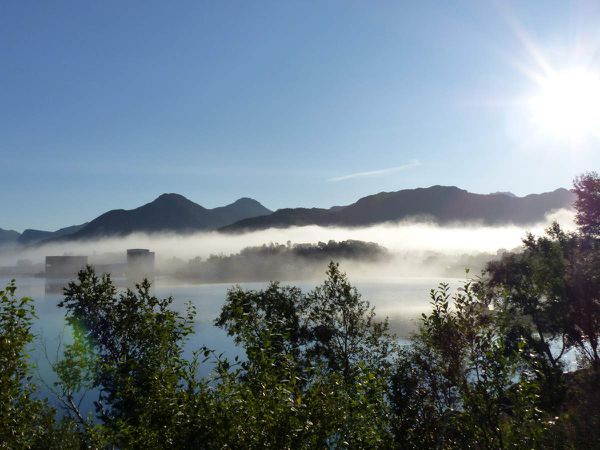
(376, 173)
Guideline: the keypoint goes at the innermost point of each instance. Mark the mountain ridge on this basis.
(32, 236)
(169, 212)
(8, 236)
(440, 204)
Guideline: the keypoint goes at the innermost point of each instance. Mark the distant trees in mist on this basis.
(277, 261)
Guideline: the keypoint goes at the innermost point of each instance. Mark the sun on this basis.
(567, 104)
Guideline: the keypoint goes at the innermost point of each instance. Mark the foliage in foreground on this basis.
(25, 422)
(319, 372)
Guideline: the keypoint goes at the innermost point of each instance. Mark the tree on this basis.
(462, 384)
(275, 314)
(315, 369)
(551, 293)
(330, 325)
(136, 365)
(25, 422)
(343, 330)
(587, 205)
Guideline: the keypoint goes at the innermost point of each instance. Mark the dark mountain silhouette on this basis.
(240, 209)
(8, 236)
(30, 236)
(441, 204)
(169, 212)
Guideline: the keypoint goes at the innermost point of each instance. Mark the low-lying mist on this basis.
(415, 248)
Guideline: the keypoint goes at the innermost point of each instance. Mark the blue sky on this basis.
(299, 103)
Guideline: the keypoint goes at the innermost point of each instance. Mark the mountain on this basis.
(169, 212)
(240, 209)
(30, 236)
(440, 204)
(8, 236)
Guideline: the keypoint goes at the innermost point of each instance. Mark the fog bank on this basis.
(413, 245)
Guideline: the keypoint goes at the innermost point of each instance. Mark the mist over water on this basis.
(416, 248)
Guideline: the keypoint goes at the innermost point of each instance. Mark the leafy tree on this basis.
(551, 293)
(461, 385)
(275, 313)
(330, 325)
(136, 363)
(587, 205)
(529, 288)
(289, 392)
(343, 331)
(25, 422)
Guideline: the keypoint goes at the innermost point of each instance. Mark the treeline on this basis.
(488, 368)
(276, 262)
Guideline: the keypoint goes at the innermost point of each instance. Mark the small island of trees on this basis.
(276, 262)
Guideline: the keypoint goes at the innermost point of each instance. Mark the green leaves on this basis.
(127, 346)
(314, 370)
(462, 384)
(587, 205)
(24, 421)
(77, 368)
(342, 328)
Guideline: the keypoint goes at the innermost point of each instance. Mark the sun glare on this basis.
(567, 105)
